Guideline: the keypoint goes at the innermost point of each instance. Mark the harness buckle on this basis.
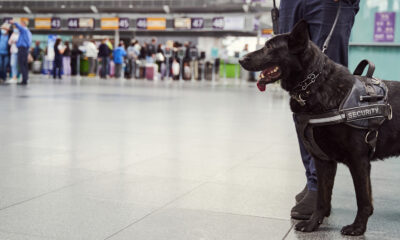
(367, 141)
(390, 112)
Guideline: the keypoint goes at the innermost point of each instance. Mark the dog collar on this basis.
(300, 93)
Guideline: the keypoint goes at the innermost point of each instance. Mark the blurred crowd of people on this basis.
(128, 59)
(103, 58)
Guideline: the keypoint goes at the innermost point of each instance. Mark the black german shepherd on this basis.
(291, 58)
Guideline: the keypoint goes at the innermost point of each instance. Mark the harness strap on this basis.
(305, 125)
(306, 133)
(352, 114)
(361, 66)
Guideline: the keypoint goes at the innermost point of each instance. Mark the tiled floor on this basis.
(112, 159)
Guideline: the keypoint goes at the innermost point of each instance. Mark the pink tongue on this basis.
(261, 85)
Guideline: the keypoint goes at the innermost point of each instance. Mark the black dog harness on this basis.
(365, 107)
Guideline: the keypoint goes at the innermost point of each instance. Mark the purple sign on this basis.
(55, 23)
(197, 23)
(141, 23)
(7, 19)
(123, 23)
(218, 23)
(73, 23)
(384, 26)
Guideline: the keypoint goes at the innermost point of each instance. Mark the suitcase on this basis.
(37, 66)
(150, 71)
(112, 68)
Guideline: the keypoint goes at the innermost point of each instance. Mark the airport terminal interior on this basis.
(137, 122)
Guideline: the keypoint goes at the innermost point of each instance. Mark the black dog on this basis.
(291, 58)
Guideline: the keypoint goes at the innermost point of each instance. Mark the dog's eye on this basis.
(268, 45)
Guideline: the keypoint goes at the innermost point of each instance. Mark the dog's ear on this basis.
(299, 37)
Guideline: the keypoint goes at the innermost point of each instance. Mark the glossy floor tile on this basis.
(98, 159)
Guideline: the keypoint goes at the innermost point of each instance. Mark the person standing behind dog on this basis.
(320, 15)
(23, 44)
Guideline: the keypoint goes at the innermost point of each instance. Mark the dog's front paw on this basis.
(353, 230)
(307, 226)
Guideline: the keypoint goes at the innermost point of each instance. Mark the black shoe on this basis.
(22, 83)
(304, 209)
(301, 194)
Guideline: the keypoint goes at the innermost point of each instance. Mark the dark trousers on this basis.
(104, 67)
(57, 68)
(118, 69)
(4, 61)
(320, 15)
(23, 63)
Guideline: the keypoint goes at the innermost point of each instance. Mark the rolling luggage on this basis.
(150, 71)
(37, 66)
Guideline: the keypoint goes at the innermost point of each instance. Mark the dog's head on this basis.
(280, 58)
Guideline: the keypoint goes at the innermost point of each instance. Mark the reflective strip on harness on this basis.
(351, 114)
(336, 118)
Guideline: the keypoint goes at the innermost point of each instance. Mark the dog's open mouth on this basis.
(268, 76)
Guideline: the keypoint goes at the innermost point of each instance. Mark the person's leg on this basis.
(2, 69)
(103, 68)
(54, 69)
(6, 61)
(320, 24)
(118, 68)
(60, 68)
(68, 66)
(290, 13)
(23, 63)
(14, 66)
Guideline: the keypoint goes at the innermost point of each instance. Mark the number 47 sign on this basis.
(197, 23)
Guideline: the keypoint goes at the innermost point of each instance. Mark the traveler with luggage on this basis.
(119, 54)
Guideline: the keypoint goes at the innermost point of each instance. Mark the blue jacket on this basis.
(118, 54)
(25, 36)
(4, 44)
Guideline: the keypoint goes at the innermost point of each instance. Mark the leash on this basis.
(328, 38)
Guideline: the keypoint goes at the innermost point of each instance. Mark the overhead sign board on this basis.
(197, 23)
(42, 23)
(123, 23)
(218, 23)
(182, 23)
(156, 23)
(141, 23)
(74, 23)
(234, 23)
(86, 22)
(109, 23)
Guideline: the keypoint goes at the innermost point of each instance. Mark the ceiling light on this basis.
(245, 8)
(94, 9)
(27, 10)
(166, 8)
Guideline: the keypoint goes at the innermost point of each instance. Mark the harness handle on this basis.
(361, 66)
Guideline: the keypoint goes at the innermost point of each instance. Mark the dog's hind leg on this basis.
(360, 171)
(326, 172)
